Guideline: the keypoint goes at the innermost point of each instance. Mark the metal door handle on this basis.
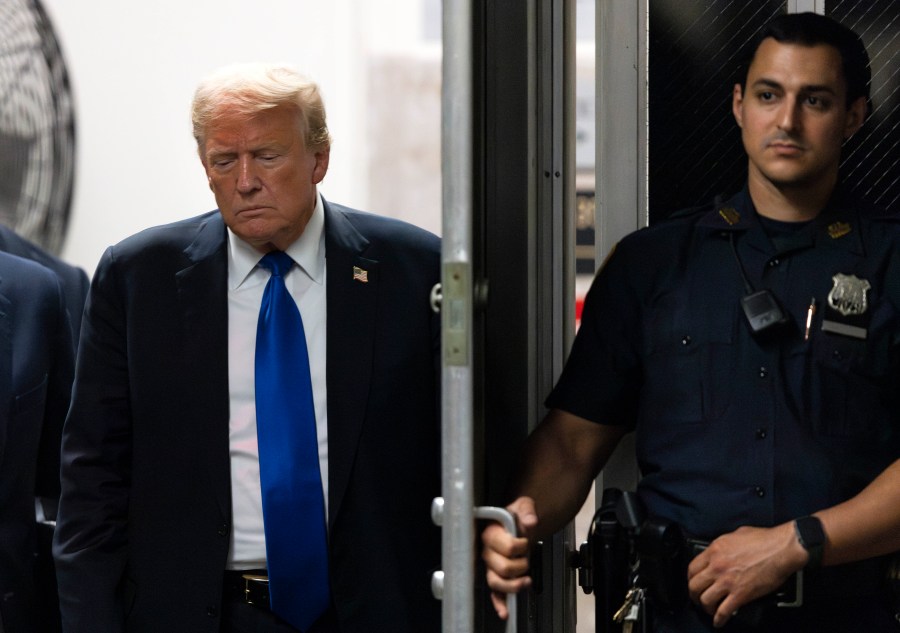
(502, 516)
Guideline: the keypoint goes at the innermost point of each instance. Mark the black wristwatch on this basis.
(812, 538)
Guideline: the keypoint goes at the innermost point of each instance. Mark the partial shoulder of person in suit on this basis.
(36, 365)
(74, 283)
(73, 279)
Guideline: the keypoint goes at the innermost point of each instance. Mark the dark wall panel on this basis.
(695, 49)
(872, 158)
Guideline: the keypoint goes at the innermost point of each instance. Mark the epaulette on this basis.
(882, 214)
(717, 201)
(867, 209)
(689, 211)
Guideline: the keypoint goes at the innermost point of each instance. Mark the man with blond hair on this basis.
(254, 442)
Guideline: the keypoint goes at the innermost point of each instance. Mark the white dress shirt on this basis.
(246, 282)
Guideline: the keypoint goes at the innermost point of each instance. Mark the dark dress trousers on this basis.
(145, 514)
(36, 364)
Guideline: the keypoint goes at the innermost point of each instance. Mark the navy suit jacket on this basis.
(74, 280)
(145, 514)
(36, 364)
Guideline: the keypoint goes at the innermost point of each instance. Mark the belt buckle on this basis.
(248, 578)
(782, 596)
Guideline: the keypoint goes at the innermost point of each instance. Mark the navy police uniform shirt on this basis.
(733, 428)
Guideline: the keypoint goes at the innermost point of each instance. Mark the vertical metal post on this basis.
(456, 311)
(621, 171)
(553, 607)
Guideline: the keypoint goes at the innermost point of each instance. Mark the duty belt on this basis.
(628, 558)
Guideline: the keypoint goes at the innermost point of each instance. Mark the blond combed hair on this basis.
(251, 88)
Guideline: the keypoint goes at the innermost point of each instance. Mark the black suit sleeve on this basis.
(90, 538)
(59, 388)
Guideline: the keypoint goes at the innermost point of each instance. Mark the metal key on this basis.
(632, 617)
(625, 609)
(630, 612)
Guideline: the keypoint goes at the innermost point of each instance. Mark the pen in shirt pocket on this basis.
(810, 312)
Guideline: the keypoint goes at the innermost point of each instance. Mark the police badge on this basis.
(849, 294)
(848, 299)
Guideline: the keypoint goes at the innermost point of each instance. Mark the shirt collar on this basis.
(307, 251)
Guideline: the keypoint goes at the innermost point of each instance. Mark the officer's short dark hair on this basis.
(811, 29)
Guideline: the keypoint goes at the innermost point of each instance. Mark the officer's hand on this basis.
(742, 566)
(506, 556)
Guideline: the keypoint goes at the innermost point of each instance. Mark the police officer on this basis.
(753, 346)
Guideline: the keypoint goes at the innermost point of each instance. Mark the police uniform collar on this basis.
(738, 215)
(735, 214)
(837, 226)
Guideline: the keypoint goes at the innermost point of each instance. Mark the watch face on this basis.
(809, 530)
(37, 132)
(812, 538)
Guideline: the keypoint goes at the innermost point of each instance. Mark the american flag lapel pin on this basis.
(360, 275)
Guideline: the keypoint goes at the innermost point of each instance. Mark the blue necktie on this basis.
(293, 506)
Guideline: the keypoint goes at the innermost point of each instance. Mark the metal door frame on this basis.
(507, 276)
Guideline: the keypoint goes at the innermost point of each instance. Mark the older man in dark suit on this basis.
(36, 363)
(181, 511)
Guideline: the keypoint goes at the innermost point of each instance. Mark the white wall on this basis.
(133, 68)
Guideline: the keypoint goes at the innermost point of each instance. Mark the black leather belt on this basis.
(250, 586)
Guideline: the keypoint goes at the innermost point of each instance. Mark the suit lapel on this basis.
(352, 289)
(203, 301)
(351, 303)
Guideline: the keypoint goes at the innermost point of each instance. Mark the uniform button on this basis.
(836, 355)
(761, 434)
(760, 491)
(686, 340)
(763, 372)
(212, 612)
(223, 530)
(774, 262)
